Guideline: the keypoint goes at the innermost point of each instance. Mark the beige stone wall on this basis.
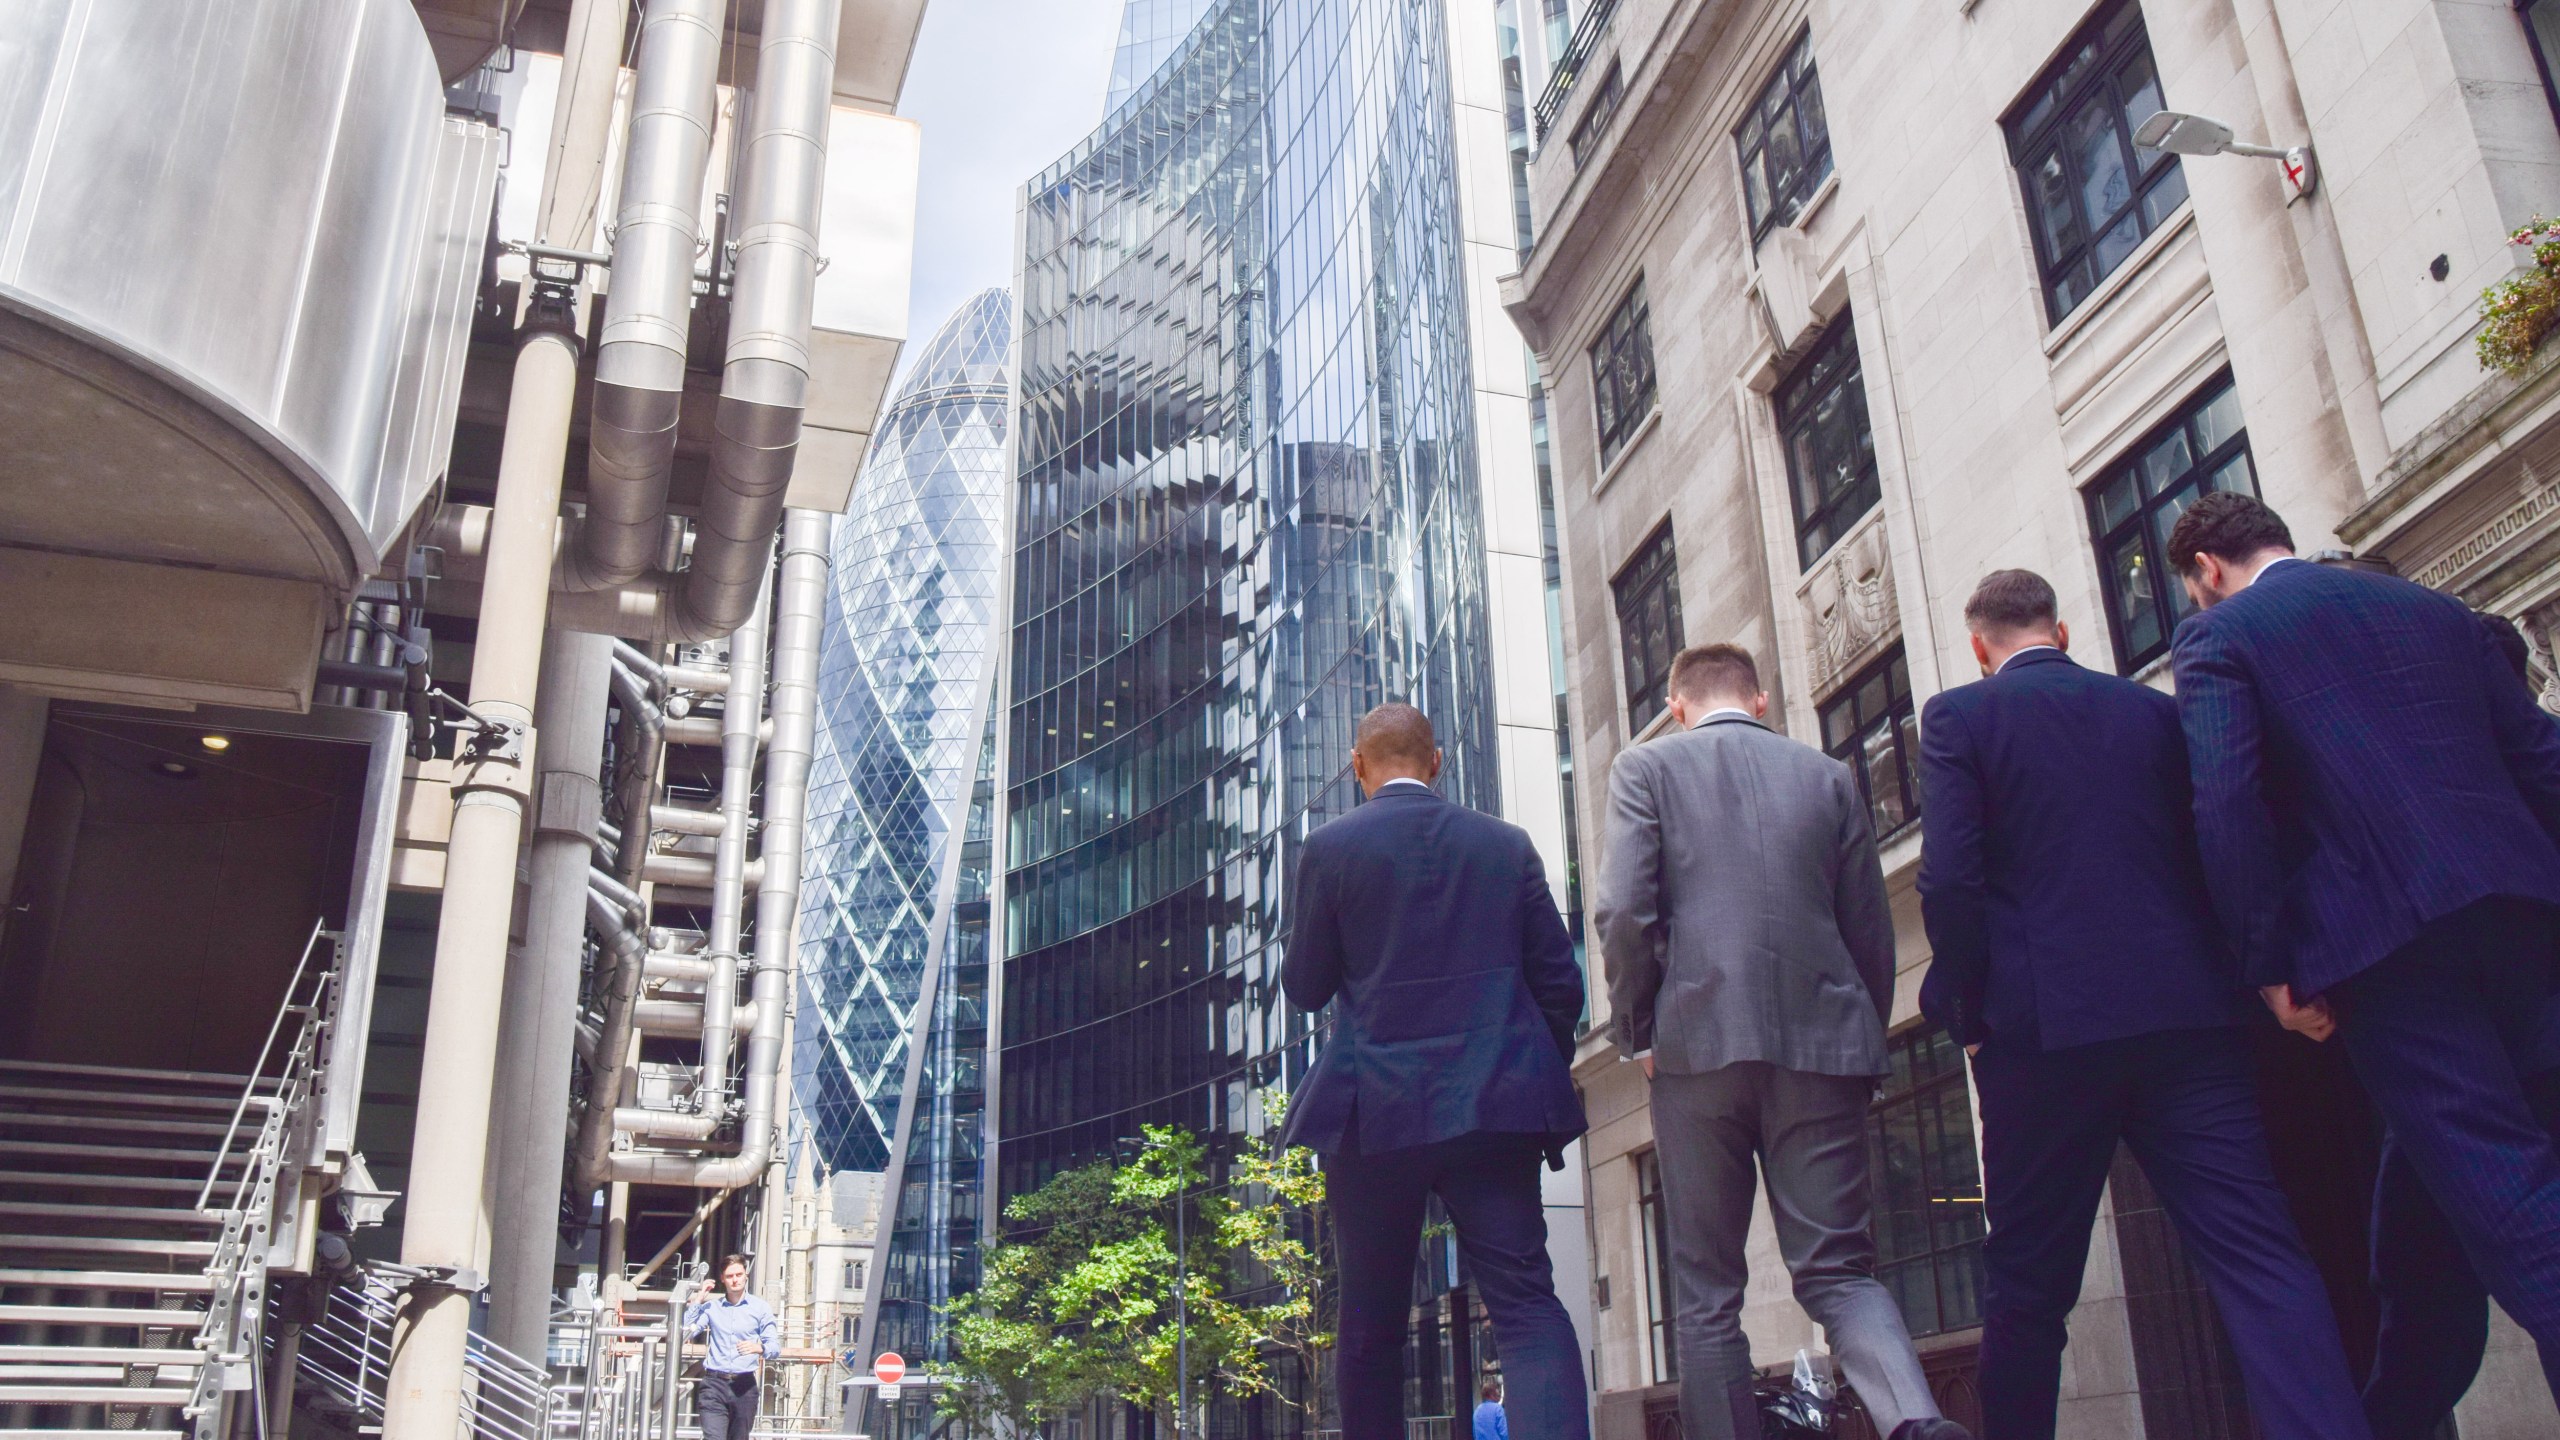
(2434, 138)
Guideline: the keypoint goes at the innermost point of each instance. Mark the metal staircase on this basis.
(140, 1211)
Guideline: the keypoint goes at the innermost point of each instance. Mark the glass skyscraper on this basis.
(891, 1030)
(1150, 31)
(1247, 509)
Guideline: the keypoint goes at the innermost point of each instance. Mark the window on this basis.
(1660, 1305)
(2091, 195)
(1648, 594)
(2541, 21)
(1594, 124)
(1622, 373)
(2203, 447)
(1872, 727)
(849, 1322)
(853, 1274)
(1928, 1184)
(1785, 143)
(1831, 452)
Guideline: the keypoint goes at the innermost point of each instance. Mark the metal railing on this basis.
(233, 1333)
(1568, 67)
(344, 1359)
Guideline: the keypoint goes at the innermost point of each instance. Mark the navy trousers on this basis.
(2452, 1034)
(726, 1404)
(2186, 1103)
(1489, 1186)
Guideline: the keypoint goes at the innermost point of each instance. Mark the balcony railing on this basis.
(1569, 66)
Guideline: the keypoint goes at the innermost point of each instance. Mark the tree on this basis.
(1088, 1297)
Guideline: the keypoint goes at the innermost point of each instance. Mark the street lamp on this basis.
(2196, 135)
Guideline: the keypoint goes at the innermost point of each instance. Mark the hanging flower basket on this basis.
(2517, 312)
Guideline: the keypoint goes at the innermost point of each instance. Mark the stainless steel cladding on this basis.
(246, 221)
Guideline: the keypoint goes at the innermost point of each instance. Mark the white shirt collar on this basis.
(1721, 711)
(2025, 650)
(1403, 780)
(2270, 565)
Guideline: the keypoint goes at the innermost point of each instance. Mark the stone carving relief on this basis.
(1848, 599)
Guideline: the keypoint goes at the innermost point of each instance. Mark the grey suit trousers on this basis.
(1807, 1134)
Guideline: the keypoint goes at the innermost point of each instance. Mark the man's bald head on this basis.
(1394, 742)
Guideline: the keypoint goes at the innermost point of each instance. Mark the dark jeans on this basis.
(2451, 1034)
(726, 1404)
(2185, 1102)
(1489, 1185)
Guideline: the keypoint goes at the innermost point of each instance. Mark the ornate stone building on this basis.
(1840, 306)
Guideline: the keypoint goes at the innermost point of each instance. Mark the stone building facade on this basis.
(1839, 306)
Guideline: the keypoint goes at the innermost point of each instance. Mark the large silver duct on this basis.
(617, 927)
(738, 726)
(631, 430)
(798, 608)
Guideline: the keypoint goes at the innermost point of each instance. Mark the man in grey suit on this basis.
(1742, 915)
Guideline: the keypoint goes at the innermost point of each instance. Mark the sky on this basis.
(1001, 88)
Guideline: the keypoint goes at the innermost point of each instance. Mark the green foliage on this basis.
(2517, 312)
(1088, 1297)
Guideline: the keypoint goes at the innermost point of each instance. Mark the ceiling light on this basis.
(174, 769)
(216, 743)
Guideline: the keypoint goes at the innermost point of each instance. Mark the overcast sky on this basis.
(1001, 88)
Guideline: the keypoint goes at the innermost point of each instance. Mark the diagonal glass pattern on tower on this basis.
(903, 684)
(1246, 511)
(1150, 31)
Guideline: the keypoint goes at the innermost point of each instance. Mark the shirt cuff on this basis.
(1644, 1054)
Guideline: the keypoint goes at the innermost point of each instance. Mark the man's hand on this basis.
(2312, 1019)
(1973, 1049)
(1647, 1063)
(709, 1289)
(753, 1350)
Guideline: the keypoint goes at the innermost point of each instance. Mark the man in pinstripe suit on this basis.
(2378, 807)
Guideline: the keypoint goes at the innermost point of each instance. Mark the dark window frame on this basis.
(2543, 59)
(1623, 390)
(1648, 587)
(1662, 1338)
(2096, 68)
(1794, 93)
(1880, 710)
(2132, 504)
(1926, 1081)
(1832, 367)
(1593, 127)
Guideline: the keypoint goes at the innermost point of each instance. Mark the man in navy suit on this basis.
(1431, 929)
(2075, 956)
(2378, 806)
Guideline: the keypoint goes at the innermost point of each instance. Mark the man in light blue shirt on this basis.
(1490, 1424)
(742, 1334)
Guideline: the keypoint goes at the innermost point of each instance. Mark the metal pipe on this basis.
(739, 720)
(673, 1124)
(697, 871)
(639, 389)
(683, 1018)
(626, 899)
(615, 927)
(799, 606)
(685, 820)
(661, 966)
(704, 730)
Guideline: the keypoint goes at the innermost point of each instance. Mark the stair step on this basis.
(110, 1245)
(64, 1150)
(108, 1280)
(100, 1355)
(58, 1394)
(194, 1079)
(74, 1180)
(128, 1124)
(121, 1214)
(130, 1099)
(101, 1315)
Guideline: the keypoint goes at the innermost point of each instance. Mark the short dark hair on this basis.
(738, 1260)
(2228, 526)
(1714, 672)
(1396, 733)
(2008, 601)
(1491, 1389)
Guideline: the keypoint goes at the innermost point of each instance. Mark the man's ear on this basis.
(1760, 706)
(1981, 652)
(2062, 635)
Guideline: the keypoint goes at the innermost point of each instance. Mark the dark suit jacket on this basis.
(2058, 870)
(2364, 763)
(1432, 928)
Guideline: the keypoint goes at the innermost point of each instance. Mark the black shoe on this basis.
(1933, 1428)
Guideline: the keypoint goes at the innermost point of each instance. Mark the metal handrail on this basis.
(1568, 66)
(257, 1072)
(346, 1356)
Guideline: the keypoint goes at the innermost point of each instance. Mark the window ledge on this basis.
(1815, 202)
(2110, 289)
(1658, 726)
(1651, 422)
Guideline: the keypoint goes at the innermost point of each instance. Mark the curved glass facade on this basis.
(903, 693)
(1150, 31)
(1246, 511)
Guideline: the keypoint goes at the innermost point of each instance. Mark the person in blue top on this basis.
(1489, 1422)
(742, 1336)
